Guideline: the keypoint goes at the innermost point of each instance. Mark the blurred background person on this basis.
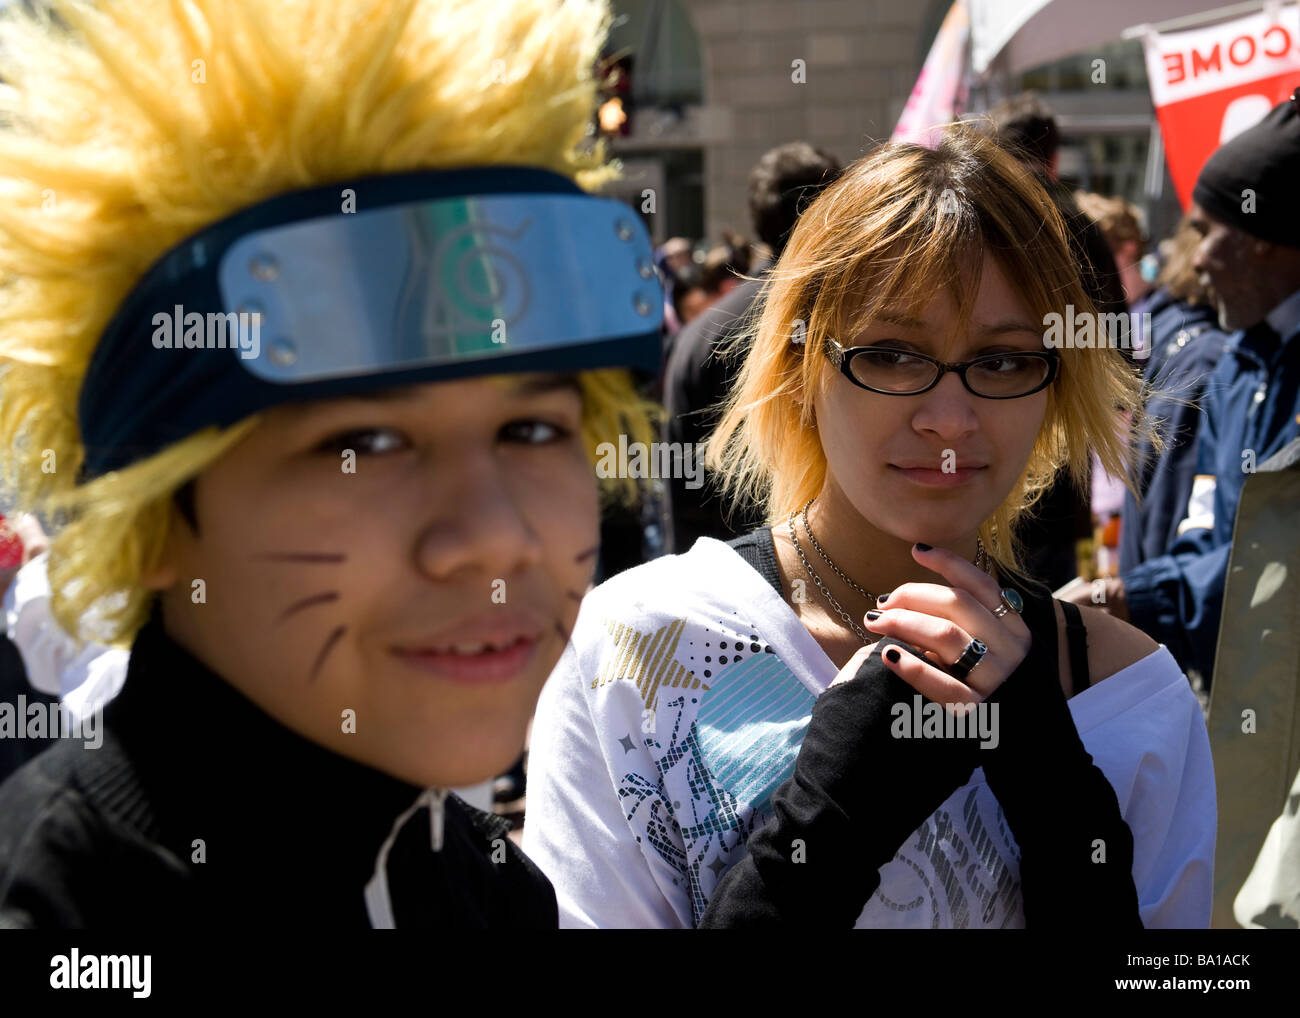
(702, 366)
(1186, 344)
(1121, 225)
(723, 267)
(1050, 533)
(672, 257)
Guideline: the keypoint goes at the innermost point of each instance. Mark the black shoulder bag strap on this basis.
(1078, 637)
(758, 548)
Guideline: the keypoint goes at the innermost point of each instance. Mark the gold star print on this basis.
(647, 660)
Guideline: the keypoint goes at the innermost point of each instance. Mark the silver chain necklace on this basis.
(981, 563)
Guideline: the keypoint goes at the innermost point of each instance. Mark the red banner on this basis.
(1210, 84)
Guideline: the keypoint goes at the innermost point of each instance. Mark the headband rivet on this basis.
(264, 267)
(283, 352)
(623, 228)
(642, 304)
(645, 269)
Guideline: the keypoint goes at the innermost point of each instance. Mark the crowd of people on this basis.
(933, 639)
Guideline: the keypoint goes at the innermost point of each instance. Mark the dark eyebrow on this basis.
(999, 328)
(904, 321)
(980, 329)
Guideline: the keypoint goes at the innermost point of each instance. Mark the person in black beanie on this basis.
(1247, 211)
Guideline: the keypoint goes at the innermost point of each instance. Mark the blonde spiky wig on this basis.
(898, 226)
(127, 126)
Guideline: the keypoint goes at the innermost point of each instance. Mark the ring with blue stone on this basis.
(970, 657)
(1011, 602)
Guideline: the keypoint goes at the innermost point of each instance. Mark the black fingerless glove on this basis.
(856, 795)
(1076, 851)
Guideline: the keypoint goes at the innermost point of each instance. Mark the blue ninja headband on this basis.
(389, 280)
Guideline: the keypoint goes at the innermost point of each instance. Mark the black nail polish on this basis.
(923, 547)
(892, 655)
(873, 615)
(882, 599)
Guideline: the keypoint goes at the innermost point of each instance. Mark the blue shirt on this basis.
(1186, 346)
(1252, 410)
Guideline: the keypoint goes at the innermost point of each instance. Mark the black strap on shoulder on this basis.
(758, 548)
(1078, 637)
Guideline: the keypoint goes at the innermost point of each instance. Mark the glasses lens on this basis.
(892, 370)
(1009, 375)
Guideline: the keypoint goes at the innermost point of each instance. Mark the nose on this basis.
(947, 411)
(1199, 258)
(475, 527)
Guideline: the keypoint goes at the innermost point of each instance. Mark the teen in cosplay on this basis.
(347, 556)
(766, 731)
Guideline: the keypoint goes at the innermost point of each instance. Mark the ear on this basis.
(161, 576)
(165, 571)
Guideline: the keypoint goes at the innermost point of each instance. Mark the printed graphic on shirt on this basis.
(751, 726)
(716, 751)
(959, 870)
(690, 820)
(647, 660)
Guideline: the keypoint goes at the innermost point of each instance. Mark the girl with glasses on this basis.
(862, 712)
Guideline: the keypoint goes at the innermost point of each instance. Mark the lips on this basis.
(475, 651)
(470, 648)
(484, 667)
(932, 477)
(931, 465)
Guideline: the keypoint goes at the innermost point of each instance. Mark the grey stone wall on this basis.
(860, 60)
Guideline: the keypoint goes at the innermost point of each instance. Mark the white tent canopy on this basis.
(1020, 34)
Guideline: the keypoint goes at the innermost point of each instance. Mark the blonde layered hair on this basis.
(900, 225)
(127, 126)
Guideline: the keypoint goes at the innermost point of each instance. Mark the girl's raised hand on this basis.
(942, 621)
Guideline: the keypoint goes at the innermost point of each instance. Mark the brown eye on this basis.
(533, 431)
(366, 441)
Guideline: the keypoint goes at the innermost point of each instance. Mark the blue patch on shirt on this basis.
(751, 724)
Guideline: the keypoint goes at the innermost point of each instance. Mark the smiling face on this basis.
(470, 518)
(887, 454)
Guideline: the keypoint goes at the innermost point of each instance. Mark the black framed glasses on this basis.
(893, 372)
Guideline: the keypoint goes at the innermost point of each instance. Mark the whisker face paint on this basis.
(330, 643)
(309, 602)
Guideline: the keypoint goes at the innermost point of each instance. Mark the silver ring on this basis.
(1010, 602)
(969, 660)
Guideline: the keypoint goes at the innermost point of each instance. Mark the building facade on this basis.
(716, 83)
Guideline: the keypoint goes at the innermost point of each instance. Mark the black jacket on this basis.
(17, 695)
(200, 809)
(696, 381)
